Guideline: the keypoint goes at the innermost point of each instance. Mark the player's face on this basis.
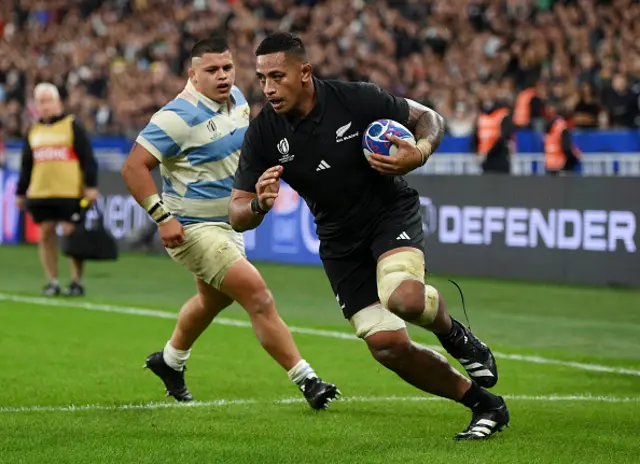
(213, 75)
(282, 78)
(48, 104)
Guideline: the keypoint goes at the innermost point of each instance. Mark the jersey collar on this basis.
(53, 119)
(213, 105)
(318, 109)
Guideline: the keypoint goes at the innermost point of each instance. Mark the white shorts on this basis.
(209, 251)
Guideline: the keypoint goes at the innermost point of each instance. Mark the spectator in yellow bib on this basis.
(58, 171)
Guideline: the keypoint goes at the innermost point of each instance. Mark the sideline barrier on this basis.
(606, 153)
(571, 230)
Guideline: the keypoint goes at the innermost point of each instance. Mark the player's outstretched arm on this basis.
(428, 127)
(247, 209)
(136, 173)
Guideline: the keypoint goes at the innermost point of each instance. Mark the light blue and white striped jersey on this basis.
(198, 145)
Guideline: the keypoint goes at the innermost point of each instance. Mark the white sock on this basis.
(175, 358)
(54, 282)
(300, 372)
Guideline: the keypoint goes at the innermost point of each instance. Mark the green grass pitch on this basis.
(74, 391)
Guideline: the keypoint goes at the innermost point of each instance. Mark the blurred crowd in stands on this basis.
(116, 62)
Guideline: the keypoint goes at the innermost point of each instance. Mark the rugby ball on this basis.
(375, 139)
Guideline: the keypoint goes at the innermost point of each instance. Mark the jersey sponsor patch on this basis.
(45, 154)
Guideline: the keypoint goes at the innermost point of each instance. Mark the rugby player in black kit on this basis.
(368, 219)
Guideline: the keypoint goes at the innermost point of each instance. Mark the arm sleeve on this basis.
(380, 104)
(474, 141)
(251, 164)
(27, 166)
(565, 143)
(164, 135)
(506, 127)
(84, 150)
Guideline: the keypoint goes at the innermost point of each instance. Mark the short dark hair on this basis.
(282, 42)
(215, 44)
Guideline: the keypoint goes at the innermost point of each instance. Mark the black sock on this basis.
(452, 333)
(478, 398)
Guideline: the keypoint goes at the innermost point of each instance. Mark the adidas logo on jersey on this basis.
(322, 166)
(403, 236)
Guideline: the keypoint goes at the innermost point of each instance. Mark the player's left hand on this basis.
(405, 160)
(91, 194)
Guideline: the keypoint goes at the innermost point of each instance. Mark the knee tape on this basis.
(395, 269)
(406, 265)
(431, 302)
(373, 319)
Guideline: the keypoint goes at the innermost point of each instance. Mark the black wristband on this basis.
(164, 218)
(255, 207)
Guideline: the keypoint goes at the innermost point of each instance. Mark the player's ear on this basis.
(306, 72)
(192, 75)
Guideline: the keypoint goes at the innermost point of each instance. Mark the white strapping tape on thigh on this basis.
(373, 319)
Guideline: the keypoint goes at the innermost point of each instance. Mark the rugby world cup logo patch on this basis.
(283, 148)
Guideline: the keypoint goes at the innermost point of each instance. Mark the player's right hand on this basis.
(268, 186)
(21, 202)
(171, 233)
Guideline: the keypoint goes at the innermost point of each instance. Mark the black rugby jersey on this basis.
(322, 157)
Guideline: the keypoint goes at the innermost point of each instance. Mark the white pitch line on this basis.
(124, 407)
(302, 330)
(285, 401)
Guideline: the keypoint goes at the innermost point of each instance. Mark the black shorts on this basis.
(353, 275)
(54, 209)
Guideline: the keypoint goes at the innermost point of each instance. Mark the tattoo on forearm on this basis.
(425, 124)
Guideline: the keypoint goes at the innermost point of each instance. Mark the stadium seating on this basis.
(116, 62)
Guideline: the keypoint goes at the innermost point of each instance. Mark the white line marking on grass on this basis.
(285, 401)
(125, 407)
(577, 365)
(302, 330)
